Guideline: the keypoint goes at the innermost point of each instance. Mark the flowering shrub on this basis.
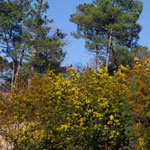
(76, 111)
(81, 110)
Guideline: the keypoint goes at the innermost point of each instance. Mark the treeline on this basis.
(44, 106)
(28, 45)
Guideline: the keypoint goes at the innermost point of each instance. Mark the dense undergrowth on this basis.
(80, 111)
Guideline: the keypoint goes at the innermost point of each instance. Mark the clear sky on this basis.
(60, 11)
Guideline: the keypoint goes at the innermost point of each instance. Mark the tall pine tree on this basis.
(12, 42)
(108, 25)
(45, 50)
(26, 40)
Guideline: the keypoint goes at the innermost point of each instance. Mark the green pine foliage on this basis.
(109, 26)
(25, 28)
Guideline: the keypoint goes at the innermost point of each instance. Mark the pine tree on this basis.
(108, 24)
(26, 41)
(45, 51)
(12, 34)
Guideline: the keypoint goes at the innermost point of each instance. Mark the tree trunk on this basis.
(109, 49)
(14, 60)
(33, 64)
(13, 75)
(114, 63)
(34, 52)
(19, 66)
(96, 55)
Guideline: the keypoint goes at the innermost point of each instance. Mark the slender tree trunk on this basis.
(32, 69)
(14, 70)
(114, 59)
(17, 73)
(19, 66)
(13, 75)
(14, 60)
(96, 55)
(109, 49)
(34, 52)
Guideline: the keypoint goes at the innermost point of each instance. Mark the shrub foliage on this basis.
(80, 111)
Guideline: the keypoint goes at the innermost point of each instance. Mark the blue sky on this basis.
(60, 11)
